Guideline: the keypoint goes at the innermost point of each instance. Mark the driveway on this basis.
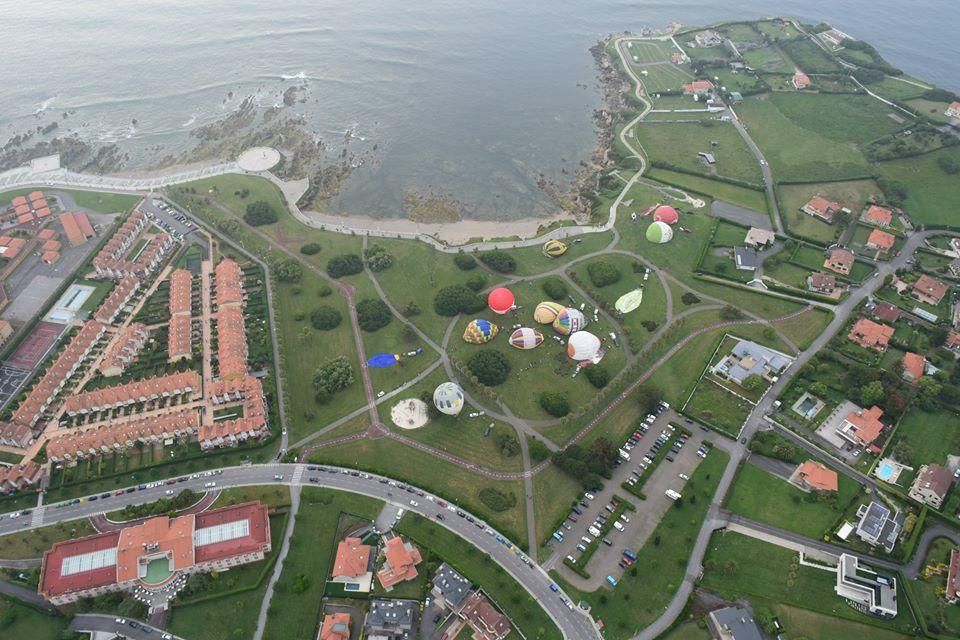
(778, 468)
(740, 215)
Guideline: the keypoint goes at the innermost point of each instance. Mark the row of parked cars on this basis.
(594, 529)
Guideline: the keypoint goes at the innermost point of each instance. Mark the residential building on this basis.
(20, 476)
(913, 366)
(929, 290)
(800, 81)
(839, 260)
(131, 394)
(400, 562)
(179, 338)
(822, 208)
(757, 237)
(391, 620)
(953, 577)
(485, 620)
(931, 485)
(71, 229)
(49, 257)
(872, 592)
(822, 283)
(745, 258)
(698, 88)
(155, 552)
(878, 216)
(17, 435)
(871, 335)
(124, 349)
(749, 358)
(351, 566)
(230, 433)
(450, 589)
(231, 331)
(886, 312)
(117, 436)
(6, 330)
(732, 623)
(815, 476)
(953, 111)
(881, 241)
(878, 526)
(954, 268)
(708, 39)
(862, 427)
(118, 298)
(953, 341)
(336, 626)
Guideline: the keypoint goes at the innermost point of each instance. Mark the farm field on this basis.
(677, 144)
(932, 194)
(742, 196)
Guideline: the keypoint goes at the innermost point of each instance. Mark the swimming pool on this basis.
(884, 471)
(69, 304)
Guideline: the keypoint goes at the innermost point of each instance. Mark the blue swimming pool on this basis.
(885, 471)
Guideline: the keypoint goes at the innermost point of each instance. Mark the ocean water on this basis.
(471, 100)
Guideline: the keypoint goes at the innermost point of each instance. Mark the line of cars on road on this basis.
(142, 627)
(139, 487)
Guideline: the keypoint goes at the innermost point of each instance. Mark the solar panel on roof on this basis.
(221, 532)
(88, 561)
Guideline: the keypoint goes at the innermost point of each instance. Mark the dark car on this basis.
(436, 618)
(440, 516)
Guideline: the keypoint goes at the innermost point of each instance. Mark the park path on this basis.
(281, 558)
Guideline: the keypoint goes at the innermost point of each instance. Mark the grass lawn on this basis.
(663, 77)
(689, 631)
(105, 202)
(776, 579)
(294, 613)
(925, 591)
(27, 622)
(271, 495)
(787, 273)
(527, 616)
(804, 328)
(32, 544)
(809, 56)
(452, 482)
(923, 437)
(768, 60)
(933, 110)
(741, 32)
(714, 405)
(660, 566)
(647, 51)
(896, 89)
(802, 623)
(101, 289)
(652, 309)
(933, 196)
(702, 185)
(553, 493)
(800, 140)
(777, 32)
(761, 496)
(853, 194)
(679, 143)
(531, 261)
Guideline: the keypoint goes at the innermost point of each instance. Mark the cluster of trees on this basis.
(647, 397)
(287, 270)
(325, 318)
(449, 301)
(377, 258)
(259, 213)
(555, 403)
(506, 442)
(602, 273)
(490, 367)
(333, 376)
(949, 164)
(597, 375)
(162, 506)
(373, 314)
(309, 249)
(477, 282)
(499, 261)
(555, 288)
(688, 298)
(587, 464)
(465, 262)
(345, 264)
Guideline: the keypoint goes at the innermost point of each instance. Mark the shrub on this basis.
(325, 318)
(346, 264)
(455, 299)
(288, 270)
(259, 213)
(506, 441)
(689, 298)
(324, 291)
(555, 403)
(496, 500)
(377, 258)
(597, 376)
(373, 314)
(477, 282)
(410, 309)
(490, 367)
(309, 249)
(949, 165)
(555, 288)
(499, 261)
(602, 273)
(465, 262)
(333, 376)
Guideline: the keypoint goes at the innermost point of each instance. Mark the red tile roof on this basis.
(35, 195)
(878, 215)
(336, 626)
(180, 291)
(115, 435)
(257, 538)
(870, 335)
(132, 392)
(172, 537)
(953, 574)
(881, 240)
(913, 366)
(47, 234)
(83, 223)
(929, 287)
(50, 257)
(867, 424)
(401, 562)
(52, 583)
(822, 207)
(19, 200)
(886, 312)
(818, 476)
(21, 209)
(74, 236)
(352, 559)
(118, 297)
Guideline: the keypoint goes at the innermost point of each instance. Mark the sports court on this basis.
(66, 308)
(11, 379)
(35, 345)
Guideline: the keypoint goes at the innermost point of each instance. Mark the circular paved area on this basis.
(258, 159)
(409, 414)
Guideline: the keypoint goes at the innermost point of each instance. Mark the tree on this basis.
(752, 382)
(346, 264)
(288, 270)
(555, 288)
(259, 213)
(410, 309)
(477, 282)
(602, 273)
(373, 314)
(538, 450)
(309, 249)
(333, 376)
(929, 397)
(871, 394)
(597, 376)
(818, 389)
(489, 366)
(301, 582)
(555, 403)
(465, 262)
(604, 452)
(455, 299)
(325, 318)
(377, 258)
(648, 396)
(688, 298)
(730, 313)
(506, 442)
(949, 165)
(499, 261)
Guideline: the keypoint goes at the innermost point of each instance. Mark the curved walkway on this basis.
(103, 524)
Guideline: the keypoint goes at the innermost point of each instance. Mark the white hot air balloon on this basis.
(448, 398)
(583, 345)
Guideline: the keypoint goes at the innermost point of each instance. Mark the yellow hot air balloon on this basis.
(554, 248)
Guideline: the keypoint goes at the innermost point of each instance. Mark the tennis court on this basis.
(36, 345)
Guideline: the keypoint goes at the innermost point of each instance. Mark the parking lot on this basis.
(168, 218)
(827, 432)
(639, 524)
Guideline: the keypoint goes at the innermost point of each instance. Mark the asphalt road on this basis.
(573, 623)
(99, 622)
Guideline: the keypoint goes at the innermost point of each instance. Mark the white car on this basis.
(684, 476)
(169, 492)
(209, 485)
(414, 503)
(617, 525)
(120, 621)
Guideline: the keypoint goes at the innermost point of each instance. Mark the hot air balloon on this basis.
(554, 248)
(526, 338)
(480, 331)
(629, 301)
(547, 312)
(583, 345)
(569, 321)
(500, 300)
(448, 398)
(382, 360)
(666, 213)
(659, 232)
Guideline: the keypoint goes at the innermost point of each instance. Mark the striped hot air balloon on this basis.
(569, 321)
(480, 331)
(526, 338)
(547, 312)
(554, 248)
